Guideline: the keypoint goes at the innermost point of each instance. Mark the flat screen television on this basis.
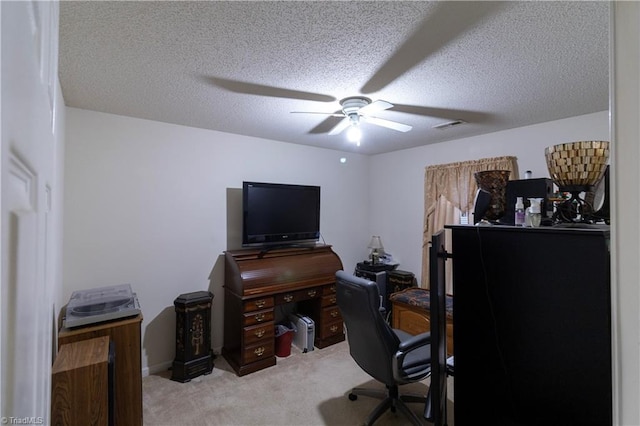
(280, 214)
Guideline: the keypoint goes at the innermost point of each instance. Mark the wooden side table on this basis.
(80, 388)
(125, 334)
(194, 355)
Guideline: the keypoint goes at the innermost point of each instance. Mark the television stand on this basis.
(257, 281)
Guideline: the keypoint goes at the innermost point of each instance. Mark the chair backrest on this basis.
(372, 342)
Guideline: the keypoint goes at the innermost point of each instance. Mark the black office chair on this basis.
(390, 356)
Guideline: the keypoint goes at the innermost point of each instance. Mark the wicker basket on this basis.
(581, 163)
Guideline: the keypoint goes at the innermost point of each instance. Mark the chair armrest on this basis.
(415, 342)
(413, 358)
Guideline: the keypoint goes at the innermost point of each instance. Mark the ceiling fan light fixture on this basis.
(356, 109)
(354, 134)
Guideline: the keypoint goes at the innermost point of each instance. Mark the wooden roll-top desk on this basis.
(258, 280)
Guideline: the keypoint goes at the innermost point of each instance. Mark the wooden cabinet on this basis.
(80, 384)
(415, 320)
(532, 325)
(193, 336)
(125, 334)
(256, 281)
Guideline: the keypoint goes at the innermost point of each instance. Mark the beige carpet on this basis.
(302, 389)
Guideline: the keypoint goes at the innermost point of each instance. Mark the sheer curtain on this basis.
(450, 189)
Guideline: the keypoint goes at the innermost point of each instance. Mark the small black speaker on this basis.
(527, 188)
(605, 210)
(483, 201)
(598, 198)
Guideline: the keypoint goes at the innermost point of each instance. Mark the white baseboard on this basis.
(156, 368)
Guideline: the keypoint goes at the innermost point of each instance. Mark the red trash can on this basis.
(284, 337)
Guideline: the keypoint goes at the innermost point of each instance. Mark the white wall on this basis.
(146, 204)
(397, 178)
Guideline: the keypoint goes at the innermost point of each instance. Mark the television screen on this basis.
(275, 213)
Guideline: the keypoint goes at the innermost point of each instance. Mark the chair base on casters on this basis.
(391, 400)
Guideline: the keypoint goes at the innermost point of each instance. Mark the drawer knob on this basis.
(259, 333)
(333, 328)
(311, 293)
(288, 297)
(333, 300)
(334, 314)
(259, 317)
(261, 303)
(259, 351)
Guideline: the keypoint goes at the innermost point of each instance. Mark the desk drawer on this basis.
(257, 333)
(328, 300)
(257, 304)
(258, 351)
(330, 329)
(328, 290)
(298, 295)
(258, 317)
(330, 314)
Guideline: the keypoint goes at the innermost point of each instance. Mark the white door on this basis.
(29, 83)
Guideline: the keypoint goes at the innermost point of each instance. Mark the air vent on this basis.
(448, 124)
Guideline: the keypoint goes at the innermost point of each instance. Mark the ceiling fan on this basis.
(447, 22)
(357, 108)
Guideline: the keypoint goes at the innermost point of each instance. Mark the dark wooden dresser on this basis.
(256, 281)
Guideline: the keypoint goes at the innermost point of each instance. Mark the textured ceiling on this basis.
(243, 67)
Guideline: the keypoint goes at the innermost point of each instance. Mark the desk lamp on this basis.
(377, 250)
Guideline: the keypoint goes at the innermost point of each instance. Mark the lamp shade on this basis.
(376, 243)
(577, 163)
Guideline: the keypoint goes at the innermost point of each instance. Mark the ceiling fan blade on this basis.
(446, 113)
(340, 126)
(325, 126)
(247, 88)
(449, 21)
(331, 114)
(375, 106)
(386, 123)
